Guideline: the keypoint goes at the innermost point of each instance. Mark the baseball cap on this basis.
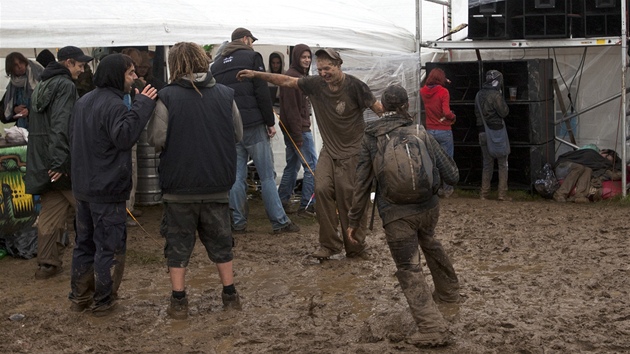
(329, 52)
(75, 53)
(242, 32)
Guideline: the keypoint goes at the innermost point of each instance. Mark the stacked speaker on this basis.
(530, 124)
(539, 19)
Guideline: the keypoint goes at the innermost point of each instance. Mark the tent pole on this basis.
(168, 74)
(624, 68)
(419, 65)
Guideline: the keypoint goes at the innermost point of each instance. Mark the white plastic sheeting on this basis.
(115, 23)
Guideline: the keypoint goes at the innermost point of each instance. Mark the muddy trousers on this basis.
(488, 169)
(579, 176)
(57, 208)
(334, 185)
(403, 237)
(98, 258)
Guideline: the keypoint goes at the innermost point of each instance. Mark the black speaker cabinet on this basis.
(492, 20)
(523, 165)
(464, 77)
(532, 78)
(545, 19)
(531, 112)
(528, 123)
(602, 18)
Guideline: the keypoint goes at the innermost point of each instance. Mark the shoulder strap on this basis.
(480, 111)
(426, 158)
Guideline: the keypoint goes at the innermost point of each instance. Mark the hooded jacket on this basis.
(389, 212)
(251, 95)
(49, 126)
(436, 101)
(295, 108)
(492, 103)
(103, 132)
(274, 91)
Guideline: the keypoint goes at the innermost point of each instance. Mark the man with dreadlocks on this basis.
(407, 225)
(103, 132)
(196, 124)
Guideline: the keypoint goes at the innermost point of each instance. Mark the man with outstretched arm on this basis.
(338, 100)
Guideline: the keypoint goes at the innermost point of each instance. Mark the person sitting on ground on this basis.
(585, 169)
(408, 224)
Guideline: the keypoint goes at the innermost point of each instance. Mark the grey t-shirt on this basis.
(339, 114)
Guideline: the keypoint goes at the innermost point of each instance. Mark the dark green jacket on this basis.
(389, 212)
(49, 122)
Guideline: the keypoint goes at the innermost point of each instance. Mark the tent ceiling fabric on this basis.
(325, 23)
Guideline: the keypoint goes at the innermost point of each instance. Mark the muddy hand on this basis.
(350, 231)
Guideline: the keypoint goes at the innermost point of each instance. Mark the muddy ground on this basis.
(536, 276)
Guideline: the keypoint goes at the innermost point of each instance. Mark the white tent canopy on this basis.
(116, 23)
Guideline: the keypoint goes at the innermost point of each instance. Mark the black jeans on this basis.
(101, 242)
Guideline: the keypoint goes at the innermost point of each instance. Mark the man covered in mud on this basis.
(103, 132)
(407, 225)
(338, 100)
(195, 128)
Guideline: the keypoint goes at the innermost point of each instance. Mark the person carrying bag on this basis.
(490, 110)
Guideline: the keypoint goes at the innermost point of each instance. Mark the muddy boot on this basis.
(178, 308)
(82, 288)
(431, 325)
(324, 253)
(231, 301)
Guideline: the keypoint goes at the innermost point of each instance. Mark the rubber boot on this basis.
(423, 310)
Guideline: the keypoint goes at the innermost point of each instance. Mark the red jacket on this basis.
(436, 105)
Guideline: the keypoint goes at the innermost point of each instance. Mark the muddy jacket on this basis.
(389, 212)
(493, 106)
(49, 121)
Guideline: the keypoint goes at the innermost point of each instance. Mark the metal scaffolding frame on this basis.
(621, 41)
